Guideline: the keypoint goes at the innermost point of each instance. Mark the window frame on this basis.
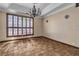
(18, 26)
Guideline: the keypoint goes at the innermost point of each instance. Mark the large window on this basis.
(19, 25)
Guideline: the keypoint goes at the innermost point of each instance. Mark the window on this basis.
(19, 25)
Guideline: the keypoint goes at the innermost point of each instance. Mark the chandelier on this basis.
(35, 11)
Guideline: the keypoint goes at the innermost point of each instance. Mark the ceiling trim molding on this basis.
(49, 8)
(61, 9)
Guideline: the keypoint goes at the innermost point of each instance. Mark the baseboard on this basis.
(20, 38)
(61, 42)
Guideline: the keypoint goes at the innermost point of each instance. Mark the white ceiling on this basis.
(30, 5)
(46, 8)
(22, 6)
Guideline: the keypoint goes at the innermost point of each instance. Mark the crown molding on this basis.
(49, 8)
(59, 10)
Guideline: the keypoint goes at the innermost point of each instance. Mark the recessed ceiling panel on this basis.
(30, 5)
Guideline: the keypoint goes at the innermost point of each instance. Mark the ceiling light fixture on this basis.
(35, 11)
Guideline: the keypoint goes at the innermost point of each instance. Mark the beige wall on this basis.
(2, 26)
(37, 27)
(61, 29)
